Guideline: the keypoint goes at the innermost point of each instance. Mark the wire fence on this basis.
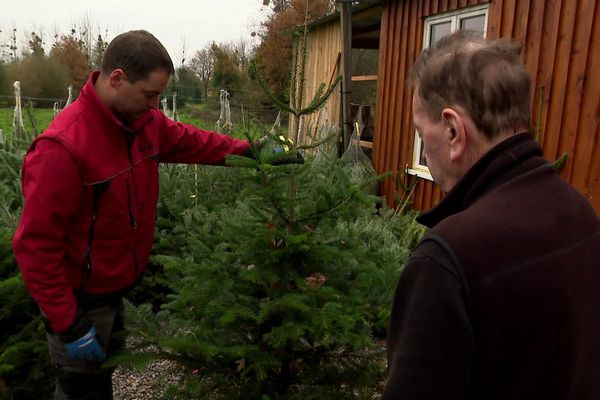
(184, 92)
(247, 109)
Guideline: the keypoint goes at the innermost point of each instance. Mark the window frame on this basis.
(454, 17)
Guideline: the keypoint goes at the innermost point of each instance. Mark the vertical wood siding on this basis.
(561, 44)
(323, 46)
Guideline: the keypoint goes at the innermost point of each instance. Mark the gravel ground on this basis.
(151, 382)
(147, 383)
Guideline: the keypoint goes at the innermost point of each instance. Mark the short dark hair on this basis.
(486, 78)
(137, 53)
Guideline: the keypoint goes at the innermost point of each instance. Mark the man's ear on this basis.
(117, 77)
(455, 133)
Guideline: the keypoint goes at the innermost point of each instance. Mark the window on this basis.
(436, 27)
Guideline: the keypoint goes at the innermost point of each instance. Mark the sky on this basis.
(174, 22)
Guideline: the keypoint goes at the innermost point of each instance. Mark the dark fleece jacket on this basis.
(500, 299)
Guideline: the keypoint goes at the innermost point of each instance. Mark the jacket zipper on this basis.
(130, 199)
(86, 268)
(131, 195)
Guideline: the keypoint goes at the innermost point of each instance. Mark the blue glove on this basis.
(86, 347)
(290, 158)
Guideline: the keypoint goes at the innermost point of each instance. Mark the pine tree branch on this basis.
(272, 200)
(263, 84)
(317, 97)
(319, 101)
(318, 143)
(559, 163)
(9, 220)
(331, 210)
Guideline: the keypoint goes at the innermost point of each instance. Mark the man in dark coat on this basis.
(500, 299)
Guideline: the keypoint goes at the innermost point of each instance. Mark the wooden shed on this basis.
(561, 42)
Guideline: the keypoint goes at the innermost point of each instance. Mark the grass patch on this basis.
(36, 120)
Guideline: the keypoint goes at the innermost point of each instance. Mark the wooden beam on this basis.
(362, 78)
(357, 31)
(368, 14)
(346, 27)
(368, 145)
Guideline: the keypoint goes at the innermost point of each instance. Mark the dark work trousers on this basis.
(85, 380)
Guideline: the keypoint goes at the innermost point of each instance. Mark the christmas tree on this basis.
(25, 371)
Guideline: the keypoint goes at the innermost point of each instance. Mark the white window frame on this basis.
(454, 17)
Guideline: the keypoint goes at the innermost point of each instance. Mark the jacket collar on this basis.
(506, 160)
(90, 95)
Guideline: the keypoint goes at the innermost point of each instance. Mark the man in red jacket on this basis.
(499, 301)
(90, 184)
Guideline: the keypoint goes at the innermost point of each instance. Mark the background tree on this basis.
(3, 102)
(43, 77)
(243, 52)
(90, 39)
(187, 85)
(277, 5)
(68, 51)
(83, 31)
(13, 45)
(35, 45)
(276, 45)
(202, 66)
(98, 51)
(8, 46)
(228, 74)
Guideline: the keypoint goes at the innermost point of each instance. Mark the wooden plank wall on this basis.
(562, 51)
(323, 47)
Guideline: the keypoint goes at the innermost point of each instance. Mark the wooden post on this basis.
(346, 26)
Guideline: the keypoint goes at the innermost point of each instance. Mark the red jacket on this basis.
(91, 187)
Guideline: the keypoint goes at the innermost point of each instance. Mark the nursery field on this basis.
(35, 119)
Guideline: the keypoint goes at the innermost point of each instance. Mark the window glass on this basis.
(439, 30)
(422, 160)
(475, 23)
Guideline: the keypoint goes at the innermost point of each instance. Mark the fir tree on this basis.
(279, 294)
(25, 371)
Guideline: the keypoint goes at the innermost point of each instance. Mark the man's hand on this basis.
(277, 154)
(287, 156)
(86, 347)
